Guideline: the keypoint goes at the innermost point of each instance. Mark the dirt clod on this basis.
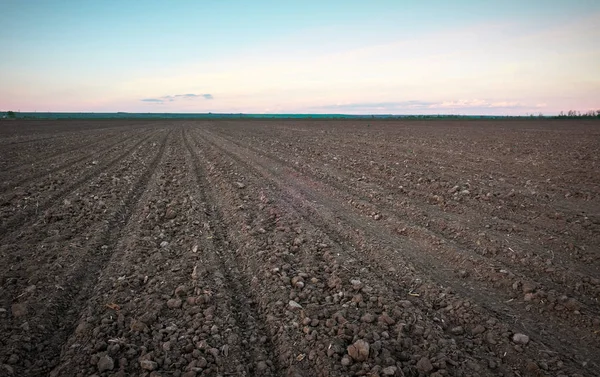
(424, 365)
(19, 310)
(148, 365)
(359, 350)
(105, 363)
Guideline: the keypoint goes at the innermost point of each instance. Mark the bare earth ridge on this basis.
(300, 248)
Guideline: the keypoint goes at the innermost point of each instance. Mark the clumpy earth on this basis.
(300, 248)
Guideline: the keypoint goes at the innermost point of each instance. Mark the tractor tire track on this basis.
(250, 321)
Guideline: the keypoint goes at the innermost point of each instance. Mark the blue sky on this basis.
(465, 57)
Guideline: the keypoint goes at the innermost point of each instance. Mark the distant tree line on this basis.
(579, 114)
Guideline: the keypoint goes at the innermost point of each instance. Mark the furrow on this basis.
(394, 249)
(25, 215)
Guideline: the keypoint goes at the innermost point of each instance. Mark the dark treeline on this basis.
(578, 114)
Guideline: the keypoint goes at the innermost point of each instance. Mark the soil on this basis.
(300, 248)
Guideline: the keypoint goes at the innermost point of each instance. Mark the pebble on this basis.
(490, 338)
(356, 284)
(368, 318)
(261, 366)
(181, 291)
(520, 338)
(346, 361)
(479, 329)
(572, 304)
(164, 244)
(424, 365)
(170, 214)
(389, 371)
(529, 296)
(359, 351)
(240, 185)
(174, 303)
(293, 305)
(105, 363)
(385, 318)
(458, 330)
(148, 365)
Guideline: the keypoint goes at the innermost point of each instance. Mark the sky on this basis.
(328, 56)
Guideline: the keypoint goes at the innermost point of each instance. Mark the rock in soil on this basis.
(520, 338)
(359, 351)
(105, 363)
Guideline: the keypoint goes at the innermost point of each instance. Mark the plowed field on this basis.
(300, 248)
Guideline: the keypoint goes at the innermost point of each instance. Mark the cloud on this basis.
(476, 103)
(177, 97)
(371, 106)
(475, 106)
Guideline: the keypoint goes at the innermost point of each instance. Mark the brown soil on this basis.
(300, 248)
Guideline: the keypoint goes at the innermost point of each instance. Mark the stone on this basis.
(458, 330)
(148, 365)
(424, 365)
(489, 337)
(174, 303)
(356, 284)
(368, 318)
(170, 214)
(181, 291)
(389, 371)
(529, 296)
(479, 329)
(572, 304)
(346, 361)
(105, 363)
(359, 351)
(293, 305)
(520, 338)
(385, 318)
(261, 366)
